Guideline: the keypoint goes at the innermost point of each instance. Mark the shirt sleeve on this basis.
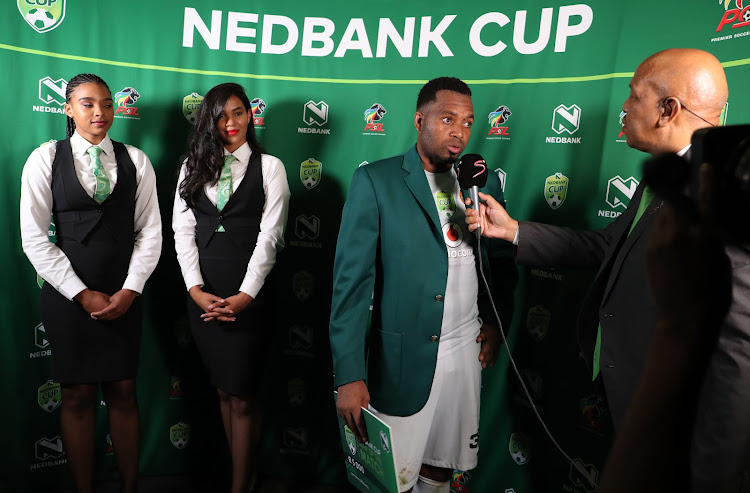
(147, 224)
(35, 216)
(272, 225)
(183, 225)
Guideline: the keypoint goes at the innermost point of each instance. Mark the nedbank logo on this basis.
(735, 14)
(52, 94)
(40, 336)
(301, 337)
(179, 435)
(497, 118)
(566, 119)
(586, 482)
(295, 438)
(42, 15)
(307, 227)
(351, 440)
(502, 176)
(555, 190)
(310, 172)
(519, 447)
(619, 191)
(373, 115)
(257, 106)
(315, 114)
(49, 396)
(190, 105)
(303, 285)
(125, 100)
(49, 448)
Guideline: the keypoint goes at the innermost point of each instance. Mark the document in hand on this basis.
(370, 467)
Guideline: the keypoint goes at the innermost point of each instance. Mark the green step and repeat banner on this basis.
(334, 85)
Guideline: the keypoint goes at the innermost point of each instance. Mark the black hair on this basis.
(206, 150)
(428, 93)
(70, 126)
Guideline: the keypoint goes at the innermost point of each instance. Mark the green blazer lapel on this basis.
(416, 181)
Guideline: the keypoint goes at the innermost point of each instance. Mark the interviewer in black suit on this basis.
(672, 94)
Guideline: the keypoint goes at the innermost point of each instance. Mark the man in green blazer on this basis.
(403, 246)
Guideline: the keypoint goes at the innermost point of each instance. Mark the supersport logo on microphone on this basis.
(472, 171)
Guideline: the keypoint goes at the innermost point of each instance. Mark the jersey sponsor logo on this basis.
(190, 105)
(42, 15)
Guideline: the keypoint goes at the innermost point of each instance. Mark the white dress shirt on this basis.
(272, 223)
(36, 213)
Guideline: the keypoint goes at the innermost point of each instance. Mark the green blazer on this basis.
(390, 252)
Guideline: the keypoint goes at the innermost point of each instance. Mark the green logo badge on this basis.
(446, 203)
(49, 396)
(179, 435)
(190, 105)
(537, 322)
(519, 447)
(351, 440)
(309, 172)
(42, 15)
(555, 190)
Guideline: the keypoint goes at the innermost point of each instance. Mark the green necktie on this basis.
(102, 182)
(646, 199)
(224, 187)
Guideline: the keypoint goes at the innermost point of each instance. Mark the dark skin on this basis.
(444, 128)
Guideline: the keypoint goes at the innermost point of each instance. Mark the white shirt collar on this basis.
(242, 153)
(682, 151)
(80, 145)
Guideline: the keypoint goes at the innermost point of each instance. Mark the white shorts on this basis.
(445, 432)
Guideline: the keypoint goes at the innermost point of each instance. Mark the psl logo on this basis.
(555, 190)
(738, 14)
(310, 172)
(190, 105)
(593, 411)
(42, 15)
(52, 91)
(49, 448)
(303, 285)
(374, 114)
(177, 391)
(307, 227)
(257, 105)
(585, 479)
(125, 100)
(497, 118)
(619, 191)
(537, 322)
(351, 440)
(315, 113)
(49, 396)
(110, 448)
(519, 447)
(566, 119)
(179, 435)
(460, 481)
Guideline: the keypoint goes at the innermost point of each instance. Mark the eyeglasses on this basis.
(686, 108)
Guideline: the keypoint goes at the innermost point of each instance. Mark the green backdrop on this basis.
(559, 69)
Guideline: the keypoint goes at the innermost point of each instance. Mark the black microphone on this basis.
(472, 175)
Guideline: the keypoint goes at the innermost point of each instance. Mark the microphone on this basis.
(472, 175)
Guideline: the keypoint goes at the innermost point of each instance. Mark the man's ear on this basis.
(670, 108)
(418, 120)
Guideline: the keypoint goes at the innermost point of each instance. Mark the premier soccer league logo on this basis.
(42, 15)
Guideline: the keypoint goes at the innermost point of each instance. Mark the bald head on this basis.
(668, 82)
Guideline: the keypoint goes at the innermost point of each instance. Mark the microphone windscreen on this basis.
(472, 171)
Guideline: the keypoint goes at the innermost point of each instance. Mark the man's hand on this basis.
(495, 222)
(352, 397)
(489, 338)
(226, 310)
(117, 305)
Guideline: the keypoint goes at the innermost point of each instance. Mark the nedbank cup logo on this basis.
(519, 447)
(190, 105)
(446, 203)
(555, 190)
(49, 396)
(351, 440)
(537, 322)
(310, 172)
(42, 15)
(303, 285)
(180, 434)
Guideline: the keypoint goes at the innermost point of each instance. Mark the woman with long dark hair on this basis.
(229, 217)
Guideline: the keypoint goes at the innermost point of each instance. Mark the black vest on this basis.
(241, 215)
(97, 238)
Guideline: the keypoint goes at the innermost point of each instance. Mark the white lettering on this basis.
(565, 30)
(193, 21)
(426, 36)
(545, 26)
(475, 34)
(388, 31)
(234, 31)
(356, 26)
(562, 140)
(292, 34)
(309, 36)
